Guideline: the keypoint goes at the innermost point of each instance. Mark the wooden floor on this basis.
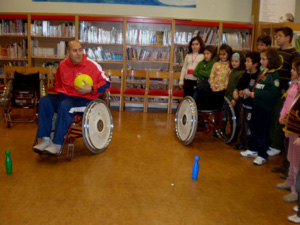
(144, 177)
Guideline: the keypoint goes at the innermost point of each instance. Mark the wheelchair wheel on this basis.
(97, 126)
(227, 132)
(186, 120)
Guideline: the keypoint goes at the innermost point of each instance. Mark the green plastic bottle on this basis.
(8, 162)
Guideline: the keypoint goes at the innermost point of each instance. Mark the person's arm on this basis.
(212, 77)
(183, 70)
(103, 84)
(58, 83)
(204, 72)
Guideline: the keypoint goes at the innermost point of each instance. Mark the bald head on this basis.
(74, 51)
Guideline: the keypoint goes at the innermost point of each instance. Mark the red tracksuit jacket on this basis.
(67, 72)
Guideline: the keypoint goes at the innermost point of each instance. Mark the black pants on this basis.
(189, 87)
(260, 130)
(245, 127)
(298, 191)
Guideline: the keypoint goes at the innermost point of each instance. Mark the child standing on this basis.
(219, 75)
(245, 84)
(293, 151)
(194, 56)
(263, 42)
(202, 72)
(264, 95)
(238, 69)
(284, 37)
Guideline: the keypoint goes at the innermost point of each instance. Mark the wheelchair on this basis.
(189, 120)
(94, 123)
(22, 92)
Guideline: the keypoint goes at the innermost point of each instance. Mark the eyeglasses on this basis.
(279, 36)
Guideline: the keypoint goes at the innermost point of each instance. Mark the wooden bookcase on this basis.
(117, 43)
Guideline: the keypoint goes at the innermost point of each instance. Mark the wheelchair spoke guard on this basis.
(97, 126)
(227, 132)
(186, 120)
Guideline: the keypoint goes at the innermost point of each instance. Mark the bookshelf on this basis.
(48, 37)
(102, 39)
(238, 36)
(115, 42)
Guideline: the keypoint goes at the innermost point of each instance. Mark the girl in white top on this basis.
(195, 55)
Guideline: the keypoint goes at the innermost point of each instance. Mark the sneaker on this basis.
(296, 208)
(290, 198)
(259, 161)
(53, 149)
(273, 151)
(283, 186)
(294, 218)
(248, 153)
(42, 145)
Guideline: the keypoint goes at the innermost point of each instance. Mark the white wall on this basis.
(227, 10)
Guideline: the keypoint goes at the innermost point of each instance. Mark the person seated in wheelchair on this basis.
(212, 98)
(68, 96)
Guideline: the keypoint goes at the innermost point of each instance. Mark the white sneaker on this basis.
(294, 218)
(248, 153)
(42, 145)
(273, 151)
(259, 161)
(53, 149)
(295, 208)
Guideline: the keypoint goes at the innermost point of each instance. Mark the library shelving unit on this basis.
(270, 29)
(13, 41)
(115, 42)
(102, 39)
(237, 35)
(184, 30)
(148, 44)
(48, 37)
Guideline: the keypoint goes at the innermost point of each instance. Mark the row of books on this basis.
(148, 37)
(238, 40)
(18, 27)
(146, 55)
(100, 55)
(179, 55)
(44, 28)
(17, 50)
(59, 51)
(94, 34)
(209, 35)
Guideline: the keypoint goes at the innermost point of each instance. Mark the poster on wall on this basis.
(276, 11)
(170, 3)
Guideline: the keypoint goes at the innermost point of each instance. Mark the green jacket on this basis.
(234, 78)
(202, 72)
(267, 90)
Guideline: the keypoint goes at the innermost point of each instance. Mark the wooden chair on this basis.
(116, 91)
(134, 88)
(176, 92)
(158, 85)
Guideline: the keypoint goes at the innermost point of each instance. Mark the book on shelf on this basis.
(16, 27)
(44, 28)
(209, 36)
(148, 37)
(237, 40)
(100, 55)
(147, 55)
(16, 50)
(94, 34)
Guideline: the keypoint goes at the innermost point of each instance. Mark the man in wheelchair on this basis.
(68, 96)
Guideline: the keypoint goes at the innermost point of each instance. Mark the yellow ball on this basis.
(79, 83)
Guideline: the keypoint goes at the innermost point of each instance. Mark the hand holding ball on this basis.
(78, 82)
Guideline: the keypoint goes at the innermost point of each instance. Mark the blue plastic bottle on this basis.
(8, 162)
(195, 168)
